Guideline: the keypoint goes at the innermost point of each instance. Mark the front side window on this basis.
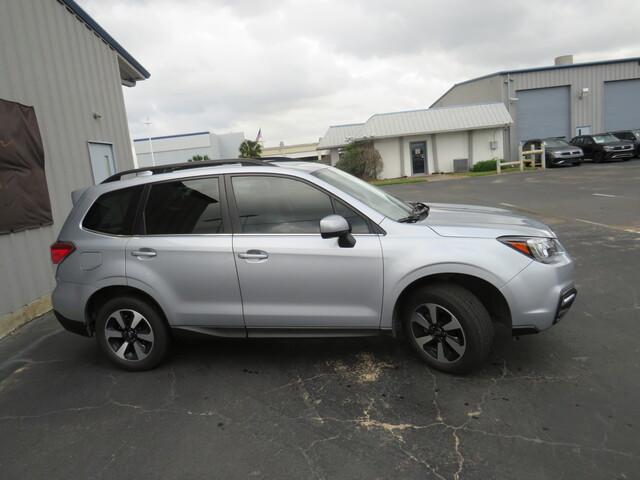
(358, 223)
(114, 212)
(279, 205)
(184, 207)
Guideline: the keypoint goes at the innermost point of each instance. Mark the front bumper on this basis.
(570, 159)
(535, 296)
(618, 155)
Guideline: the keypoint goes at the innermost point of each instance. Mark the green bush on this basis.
(485, 166)
(362, 161)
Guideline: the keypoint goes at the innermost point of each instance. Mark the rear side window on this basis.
(114, 212)
(184, 207)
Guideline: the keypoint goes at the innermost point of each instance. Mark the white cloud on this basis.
(294, 67)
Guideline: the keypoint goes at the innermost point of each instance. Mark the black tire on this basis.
(464, 307)
(140, 353)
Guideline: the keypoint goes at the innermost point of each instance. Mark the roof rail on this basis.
(185, 166)
(280, 159)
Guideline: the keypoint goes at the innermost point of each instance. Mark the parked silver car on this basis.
(248, 248)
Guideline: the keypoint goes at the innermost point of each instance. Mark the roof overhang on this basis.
(131, 70)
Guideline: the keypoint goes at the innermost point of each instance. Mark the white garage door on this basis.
(622, 105)
(543, 112)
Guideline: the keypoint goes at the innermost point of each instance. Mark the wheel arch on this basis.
(99, 297)
(486, 292)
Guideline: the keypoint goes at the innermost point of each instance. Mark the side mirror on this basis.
(333, 226)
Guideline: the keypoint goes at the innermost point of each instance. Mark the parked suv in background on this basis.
(604, 146)
(249, 248)
(632, 136)
(558, 152)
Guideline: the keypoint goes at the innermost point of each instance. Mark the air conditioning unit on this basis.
(460, 165)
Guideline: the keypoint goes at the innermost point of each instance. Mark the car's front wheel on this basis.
(448, 327)
(132, 333)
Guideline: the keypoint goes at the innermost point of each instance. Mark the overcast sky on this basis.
(294, 67)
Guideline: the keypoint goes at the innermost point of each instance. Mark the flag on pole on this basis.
(259, 135)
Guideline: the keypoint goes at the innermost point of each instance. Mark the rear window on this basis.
(114, 212)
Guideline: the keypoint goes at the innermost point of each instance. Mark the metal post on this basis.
(521, 158)
(543, 156)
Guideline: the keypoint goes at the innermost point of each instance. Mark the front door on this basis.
(587, 147)
(418, 157)
(184, 254)
(103, 164)
(292, 278)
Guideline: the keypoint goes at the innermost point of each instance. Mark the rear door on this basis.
(292, 278)
(184, 253)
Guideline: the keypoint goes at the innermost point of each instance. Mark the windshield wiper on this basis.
(419, 211)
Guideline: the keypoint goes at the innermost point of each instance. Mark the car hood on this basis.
(453, 220)
(619, 143)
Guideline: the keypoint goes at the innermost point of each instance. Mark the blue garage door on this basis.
(622, 105)
(543, 112)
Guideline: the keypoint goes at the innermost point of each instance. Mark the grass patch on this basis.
(401, 180)
(432, 178)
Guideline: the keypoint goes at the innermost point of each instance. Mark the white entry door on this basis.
(103, 165)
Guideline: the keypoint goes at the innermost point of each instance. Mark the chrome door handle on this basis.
(254, 255)
(144, 252)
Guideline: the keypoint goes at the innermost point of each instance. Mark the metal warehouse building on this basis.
(63, 126)
(564, 99)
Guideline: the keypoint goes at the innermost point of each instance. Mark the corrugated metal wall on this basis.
(52, 61)
(588, 110)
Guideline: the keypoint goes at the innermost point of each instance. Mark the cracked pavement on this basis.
(560, 405)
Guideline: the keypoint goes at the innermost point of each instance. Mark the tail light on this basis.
(60, 251)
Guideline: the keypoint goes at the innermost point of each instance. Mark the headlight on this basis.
(544, 250)
(607, 149)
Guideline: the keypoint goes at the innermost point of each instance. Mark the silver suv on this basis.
(250, 248)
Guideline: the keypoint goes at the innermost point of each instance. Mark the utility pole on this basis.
(148, 124)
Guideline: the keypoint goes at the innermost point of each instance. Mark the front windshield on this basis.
(555, 142)
(373, 197)
(636, 133)
(604, 138)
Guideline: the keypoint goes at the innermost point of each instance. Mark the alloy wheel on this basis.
(129, 334)
(438, 332)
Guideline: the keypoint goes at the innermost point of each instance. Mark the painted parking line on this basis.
(604, 195)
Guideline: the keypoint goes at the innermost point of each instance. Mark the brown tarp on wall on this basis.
(24, 197)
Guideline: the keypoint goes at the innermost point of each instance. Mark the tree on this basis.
(198, 158)
(250, 149)
(361, 160)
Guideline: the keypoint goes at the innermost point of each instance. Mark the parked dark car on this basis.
(558, 152)
(604, 146)
(631, 135)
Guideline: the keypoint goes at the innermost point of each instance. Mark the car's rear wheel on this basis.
(132, 333)
(448, 327)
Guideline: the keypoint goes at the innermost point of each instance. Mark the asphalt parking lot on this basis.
(563, 404)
